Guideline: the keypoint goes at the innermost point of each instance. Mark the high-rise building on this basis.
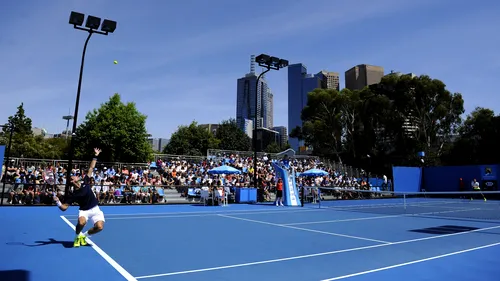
(300, 83)
(158, 144)
(268, 104)
(245, 100)
(363, 75)
(399, 74)
(283, 135)
(210, 127)
(329, 80)
(266, 137)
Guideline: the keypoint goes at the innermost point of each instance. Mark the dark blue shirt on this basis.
(84, 196)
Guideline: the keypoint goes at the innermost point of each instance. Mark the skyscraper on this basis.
(300, 83)
(363, 75)
(245, 100)
(329, 80)
(268, 104)
(283, 135)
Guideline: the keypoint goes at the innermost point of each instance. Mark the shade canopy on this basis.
(224, 169)
(313, 173)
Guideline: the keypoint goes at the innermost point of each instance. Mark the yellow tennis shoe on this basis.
(77, 243)
(83, 240)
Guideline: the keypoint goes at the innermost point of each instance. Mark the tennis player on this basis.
(475, 186)
(89, 208)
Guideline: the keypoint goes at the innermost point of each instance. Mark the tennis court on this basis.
(351, 239)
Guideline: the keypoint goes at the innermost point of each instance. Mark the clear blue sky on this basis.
(179, 60)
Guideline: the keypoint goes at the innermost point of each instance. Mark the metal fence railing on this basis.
(342, 168)
(171, 157)
(119, 193)
(218, 153)
(41, 163)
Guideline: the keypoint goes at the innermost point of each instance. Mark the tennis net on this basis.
(460, 205)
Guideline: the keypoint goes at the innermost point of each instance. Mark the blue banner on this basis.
(488, 172)
(2, 154)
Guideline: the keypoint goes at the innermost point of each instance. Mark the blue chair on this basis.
(193, 192)
(118, 195)
(135, 190)
(161, 194)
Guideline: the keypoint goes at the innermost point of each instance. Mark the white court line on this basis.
(375, 206)
(387, 204)
(308, 230)
(105, 256)
(313, 255)
(412, 262)
(384, 217)
(413, 203)
(291, 209)
(343, 220)
(213, 214)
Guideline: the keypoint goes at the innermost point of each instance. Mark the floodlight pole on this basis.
(255, 126)
(7, 160)
(77, 105)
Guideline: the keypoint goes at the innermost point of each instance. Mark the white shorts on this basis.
(95, 214)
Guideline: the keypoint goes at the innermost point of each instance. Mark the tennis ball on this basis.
(115, 62)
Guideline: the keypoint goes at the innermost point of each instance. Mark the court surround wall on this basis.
(441, 179)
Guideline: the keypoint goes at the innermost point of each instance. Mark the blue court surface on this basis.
(246, 242)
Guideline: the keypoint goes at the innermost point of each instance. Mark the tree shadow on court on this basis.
(485, 221)
(14, 275)
(451, 229)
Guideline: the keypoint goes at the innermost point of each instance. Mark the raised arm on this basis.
(61, 206)
(97, 151)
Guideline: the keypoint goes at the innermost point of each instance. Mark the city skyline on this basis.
(178, 70)
(300, 84)
(245, 101)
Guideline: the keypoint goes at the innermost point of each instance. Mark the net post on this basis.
(302, 196)
(319, 198)
(404, 200)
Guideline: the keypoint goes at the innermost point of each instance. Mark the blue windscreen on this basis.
(446, 178)
(2, 153)
(407, 179)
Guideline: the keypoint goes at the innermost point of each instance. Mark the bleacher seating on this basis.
(178, 179)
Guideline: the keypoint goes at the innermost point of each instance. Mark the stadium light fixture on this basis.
(92, 25)
(268, 62)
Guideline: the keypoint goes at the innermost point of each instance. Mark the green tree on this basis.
(296, 133)
(477, 141)
(423, 114)
(119, 129)
(273, 148)
(323, 122)
(22, 138)
(231, 137)
(286, 146)
(191, 140)
(390, 121)
(374, 114)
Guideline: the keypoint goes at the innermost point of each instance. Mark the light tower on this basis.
(67, 118)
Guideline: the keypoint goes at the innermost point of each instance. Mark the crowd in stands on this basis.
(35, 183)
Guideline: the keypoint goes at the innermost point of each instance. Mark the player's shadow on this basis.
(52, 241)
(14, 275)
